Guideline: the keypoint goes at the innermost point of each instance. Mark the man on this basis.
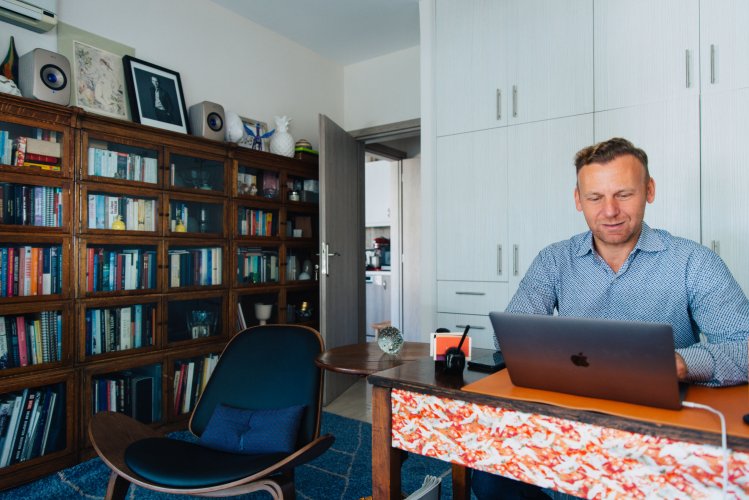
(623, 269)
(162, 102)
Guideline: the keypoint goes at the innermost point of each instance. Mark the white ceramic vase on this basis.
(281, 142)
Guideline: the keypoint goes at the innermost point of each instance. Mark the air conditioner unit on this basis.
(36, 15)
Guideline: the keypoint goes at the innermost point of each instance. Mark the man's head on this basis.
(613, 185)
(155, 81)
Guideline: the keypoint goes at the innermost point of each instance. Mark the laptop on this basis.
(628, 361)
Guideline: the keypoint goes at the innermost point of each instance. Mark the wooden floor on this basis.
(355, 403)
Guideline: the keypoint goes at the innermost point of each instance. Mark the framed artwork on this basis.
(259, 139)
(98, 79)
(156, 96)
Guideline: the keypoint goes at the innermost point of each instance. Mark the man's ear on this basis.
(650, 190)
(578, 205)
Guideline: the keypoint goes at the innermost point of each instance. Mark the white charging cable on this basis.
(723, 439)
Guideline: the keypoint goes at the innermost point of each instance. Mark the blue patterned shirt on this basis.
(665, 279)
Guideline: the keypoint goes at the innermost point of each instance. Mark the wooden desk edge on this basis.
(737, 443)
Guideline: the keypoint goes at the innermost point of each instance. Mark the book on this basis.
(23, 352)
(188, 387)
(23, 426)
(142, 398)
(125, 329)
(39, 158)
(6, 409)
(20, 151)
(41, 147)
(429, 489)
(3, 345)
(12, 428)
(241, 323)
(48, 423)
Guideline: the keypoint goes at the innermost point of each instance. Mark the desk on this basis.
(422, 411)
(368, 358)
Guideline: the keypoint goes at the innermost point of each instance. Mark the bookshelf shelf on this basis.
(122, 311)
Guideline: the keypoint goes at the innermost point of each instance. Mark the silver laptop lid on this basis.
(627, 361)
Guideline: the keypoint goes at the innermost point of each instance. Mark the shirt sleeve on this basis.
(537, 292)
(720, 310)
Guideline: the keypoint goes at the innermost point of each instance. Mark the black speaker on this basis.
(43, 75)
(207, 120)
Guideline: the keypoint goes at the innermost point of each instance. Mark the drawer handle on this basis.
(470, 293)
(472, 328)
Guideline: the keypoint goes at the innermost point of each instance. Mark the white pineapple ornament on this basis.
(281, 143)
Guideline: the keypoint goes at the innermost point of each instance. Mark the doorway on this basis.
(392, 237)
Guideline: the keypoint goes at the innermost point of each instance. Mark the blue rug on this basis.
(344, 472)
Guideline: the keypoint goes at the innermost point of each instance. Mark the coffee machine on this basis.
(382, 252)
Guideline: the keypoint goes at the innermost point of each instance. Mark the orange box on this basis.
(441, 342)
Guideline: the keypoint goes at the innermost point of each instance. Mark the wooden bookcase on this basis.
(133, 313)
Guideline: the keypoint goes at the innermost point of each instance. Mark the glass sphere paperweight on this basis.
(390, 340)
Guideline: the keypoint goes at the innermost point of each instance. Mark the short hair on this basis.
(606, 151)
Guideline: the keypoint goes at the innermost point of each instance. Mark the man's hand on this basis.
(681, 367)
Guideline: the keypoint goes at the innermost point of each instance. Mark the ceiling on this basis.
(343, 31)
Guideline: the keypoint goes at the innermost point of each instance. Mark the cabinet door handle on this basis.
(499, 104)
(688, 61)
(712, 63)
(470, 293)
(515, 259)
(514, 101)
(715, 246)
(499, 260)
(472, 327)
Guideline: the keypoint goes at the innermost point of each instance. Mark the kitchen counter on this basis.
(374, 272)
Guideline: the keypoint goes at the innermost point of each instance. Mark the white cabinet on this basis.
(471, 206)
(550, 54)
(378, 291)
(645, 51)
(724, 45)
(470, 67)
(378, 193)
(725, 204)
(669, 132)
(542, 180)
(503, 62)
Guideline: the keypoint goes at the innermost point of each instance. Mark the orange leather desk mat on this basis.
(733, 402)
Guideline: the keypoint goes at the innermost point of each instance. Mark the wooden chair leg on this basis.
(117, 487)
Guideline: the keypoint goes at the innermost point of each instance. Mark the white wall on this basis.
(382, 90)
(220, 56)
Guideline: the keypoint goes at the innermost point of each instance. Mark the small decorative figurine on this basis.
(263, 312)
(304, 312)
(257, 137)
(118, 223)
(180, 228)
(282, 143)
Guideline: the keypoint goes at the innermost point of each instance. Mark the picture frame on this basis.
(260, 128)
(156, 96)
(98, 77)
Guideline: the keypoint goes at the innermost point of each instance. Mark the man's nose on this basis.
(611, 207)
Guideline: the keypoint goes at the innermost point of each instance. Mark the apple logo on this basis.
(579, 359)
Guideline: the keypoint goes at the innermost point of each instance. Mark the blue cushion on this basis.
(253, 431)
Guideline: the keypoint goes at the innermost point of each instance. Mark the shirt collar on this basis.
(649, 241)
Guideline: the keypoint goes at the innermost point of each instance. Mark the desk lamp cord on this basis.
(723, 439)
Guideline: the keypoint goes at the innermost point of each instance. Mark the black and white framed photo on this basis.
(156, 96)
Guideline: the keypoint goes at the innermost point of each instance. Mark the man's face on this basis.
(612, 198)
(155, 81)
